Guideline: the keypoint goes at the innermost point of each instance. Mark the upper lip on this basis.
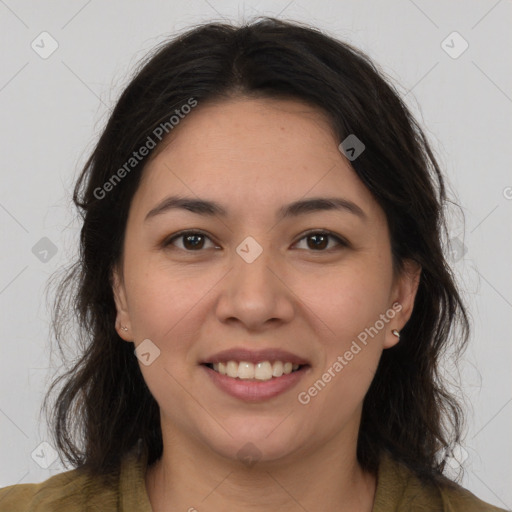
(255, 356)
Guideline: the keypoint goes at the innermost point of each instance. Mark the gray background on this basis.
(53, 108)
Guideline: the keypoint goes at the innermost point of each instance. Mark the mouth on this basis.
(262, 371)
(254, 385)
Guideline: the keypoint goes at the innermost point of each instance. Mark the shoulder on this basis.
(71, 491)
(458, 499)
(400, 489)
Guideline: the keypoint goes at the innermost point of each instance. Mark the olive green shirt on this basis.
(398, 490)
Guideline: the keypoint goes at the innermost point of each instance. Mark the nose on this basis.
(255, 293)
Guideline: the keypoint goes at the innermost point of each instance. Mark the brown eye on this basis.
(194, 241)
(191, 240)
(319, 240)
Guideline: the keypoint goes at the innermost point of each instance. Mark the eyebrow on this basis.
(300, 207)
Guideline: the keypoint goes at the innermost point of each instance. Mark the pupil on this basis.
(188, 238)
(316, 246)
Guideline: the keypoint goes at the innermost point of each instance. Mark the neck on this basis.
(191, 477)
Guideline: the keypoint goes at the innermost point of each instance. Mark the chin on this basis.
(267, 442)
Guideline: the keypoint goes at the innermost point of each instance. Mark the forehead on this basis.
(252, 154)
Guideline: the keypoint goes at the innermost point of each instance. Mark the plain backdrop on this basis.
(53, 107)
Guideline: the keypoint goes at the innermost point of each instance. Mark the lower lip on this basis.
(255, 390)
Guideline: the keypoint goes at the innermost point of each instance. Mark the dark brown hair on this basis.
(104, 406)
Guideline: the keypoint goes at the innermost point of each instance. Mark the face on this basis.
(316, 282)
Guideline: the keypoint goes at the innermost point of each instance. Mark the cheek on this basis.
(348, 299)
(159, 295)
(348, 304)
(352, 345)
(154, 306)
(164, 307)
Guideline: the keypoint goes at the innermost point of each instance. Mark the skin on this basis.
(254, 156)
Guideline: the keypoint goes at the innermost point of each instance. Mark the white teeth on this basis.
(277, 369)
(260, 371)
(245, 370)
(263, 371)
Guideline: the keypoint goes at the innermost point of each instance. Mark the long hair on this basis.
(104, 406)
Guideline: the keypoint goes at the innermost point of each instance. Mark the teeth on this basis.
(260, 371)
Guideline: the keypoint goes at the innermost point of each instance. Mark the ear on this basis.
(122, 318)
(402, 299)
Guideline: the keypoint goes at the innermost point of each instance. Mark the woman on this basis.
(262, 290)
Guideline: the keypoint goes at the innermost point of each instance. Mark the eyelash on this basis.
(341, 242)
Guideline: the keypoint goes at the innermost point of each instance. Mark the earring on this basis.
(396, 333)
(124, 328)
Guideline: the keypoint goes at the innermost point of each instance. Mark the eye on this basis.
(192, 240)
(321, 240)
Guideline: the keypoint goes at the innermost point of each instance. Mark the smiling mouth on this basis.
(263, 371)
